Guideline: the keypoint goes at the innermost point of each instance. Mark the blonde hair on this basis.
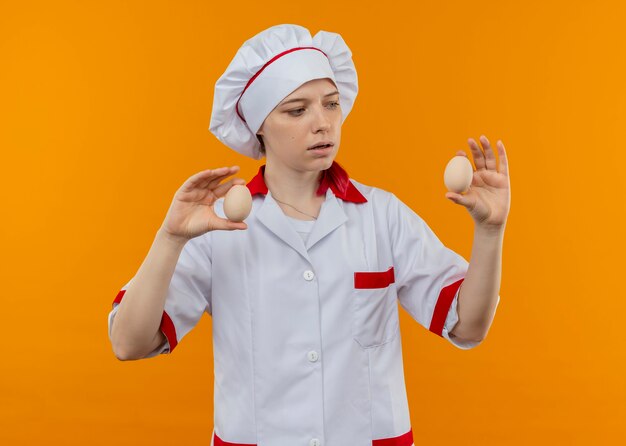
(262, 148)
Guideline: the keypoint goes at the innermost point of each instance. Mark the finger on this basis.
(477, 153)
(226, 172)
(200, 179)
(504, 162)
(490, 156)
(220, 173)
(461, 153)
(221, 190)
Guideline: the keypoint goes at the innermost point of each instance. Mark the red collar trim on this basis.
(334, 177)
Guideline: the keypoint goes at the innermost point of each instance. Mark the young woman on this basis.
(304, 293)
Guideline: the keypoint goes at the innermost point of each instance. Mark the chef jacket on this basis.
(306, 339)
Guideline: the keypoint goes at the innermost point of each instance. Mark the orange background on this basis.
(105, 110)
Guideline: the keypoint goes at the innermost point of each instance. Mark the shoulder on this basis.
(374, 195)
(383, 201)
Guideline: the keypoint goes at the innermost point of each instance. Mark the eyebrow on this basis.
(305, 99)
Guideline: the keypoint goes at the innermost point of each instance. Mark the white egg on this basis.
(237, 203)
(458, 174)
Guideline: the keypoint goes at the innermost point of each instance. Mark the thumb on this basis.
(233, 225)
(458, 198)
(238, 225)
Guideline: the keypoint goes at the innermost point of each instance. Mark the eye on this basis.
(334, 104)
(292, 112)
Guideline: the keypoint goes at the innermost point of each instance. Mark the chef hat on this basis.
(266, 69)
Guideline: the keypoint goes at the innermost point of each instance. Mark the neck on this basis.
(291, 186)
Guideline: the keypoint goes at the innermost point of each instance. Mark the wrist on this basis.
(489, 231)
(171, 239)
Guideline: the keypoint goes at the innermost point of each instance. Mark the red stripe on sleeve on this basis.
(446, 296)
(217, 441)
(402, 440)
(373, 279)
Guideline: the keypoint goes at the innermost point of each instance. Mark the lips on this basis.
(321, 144)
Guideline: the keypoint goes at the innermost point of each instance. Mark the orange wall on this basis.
(104, 113)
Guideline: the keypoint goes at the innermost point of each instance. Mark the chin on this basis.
(327, 162)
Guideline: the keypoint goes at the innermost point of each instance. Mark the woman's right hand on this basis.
(191, 213)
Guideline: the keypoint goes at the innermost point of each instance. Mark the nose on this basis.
(321, 121)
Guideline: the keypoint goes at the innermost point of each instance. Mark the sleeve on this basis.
(188, 295)
(428, 275)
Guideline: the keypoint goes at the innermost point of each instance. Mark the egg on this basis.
(458, 174)
(237, 203)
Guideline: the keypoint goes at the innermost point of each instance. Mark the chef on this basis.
(304, 293)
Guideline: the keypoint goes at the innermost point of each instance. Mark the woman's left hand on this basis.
(488, 198)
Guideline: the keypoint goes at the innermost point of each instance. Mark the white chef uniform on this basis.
(306, 338)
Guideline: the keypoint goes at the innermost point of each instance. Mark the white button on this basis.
(315, 442)
(313, 356)
(308, 275)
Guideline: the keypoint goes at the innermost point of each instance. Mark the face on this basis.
(308, 116)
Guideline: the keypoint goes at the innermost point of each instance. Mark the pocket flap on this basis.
(373, 279)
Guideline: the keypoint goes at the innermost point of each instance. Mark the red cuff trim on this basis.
(167, 326)
(217, 441)
(118, 298)
(443, 307)
(168, 329)
(402, 440)
(373, 279)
